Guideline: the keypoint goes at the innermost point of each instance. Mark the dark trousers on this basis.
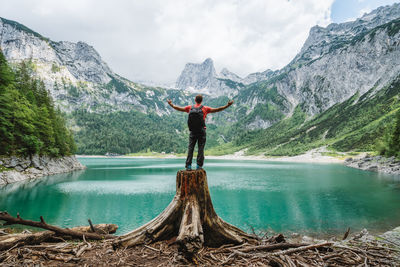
(200, 138)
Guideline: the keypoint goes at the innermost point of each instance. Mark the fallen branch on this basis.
(10, 220)
(272, 247)
(293, 250)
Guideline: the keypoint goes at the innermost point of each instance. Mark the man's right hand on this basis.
(230, 102)
(169, 102)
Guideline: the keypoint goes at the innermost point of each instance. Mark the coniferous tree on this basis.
(44, 128)
(6, 80)
(29, 123)
(6, 74)
(22, 119)
(6, 126)
(394, 144)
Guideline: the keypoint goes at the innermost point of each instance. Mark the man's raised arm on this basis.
(213, 110)
(178, 108)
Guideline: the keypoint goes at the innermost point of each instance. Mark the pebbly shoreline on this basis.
(375, 163)
(15, 169)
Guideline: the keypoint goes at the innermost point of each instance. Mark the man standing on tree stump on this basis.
(197, 128)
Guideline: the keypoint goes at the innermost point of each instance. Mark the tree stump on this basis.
(190, 218)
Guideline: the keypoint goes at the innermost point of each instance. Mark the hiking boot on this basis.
(189, 168)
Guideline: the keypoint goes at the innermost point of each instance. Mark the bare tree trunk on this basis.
(190, 217)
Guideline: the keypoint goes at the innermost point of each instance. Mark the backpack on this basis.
(196, 119)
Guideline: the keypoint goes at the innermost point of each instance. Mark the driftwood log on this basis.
(12, 240)
(10, 220)
(190, 218)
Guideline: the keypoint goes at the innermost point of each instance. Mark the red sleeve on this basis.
(206, 110)
(187, 108)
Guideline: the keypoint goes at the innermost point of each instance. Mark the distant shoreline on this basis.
(309, 157)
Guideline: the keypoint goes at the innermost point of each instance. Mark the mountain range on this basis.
(348, 65)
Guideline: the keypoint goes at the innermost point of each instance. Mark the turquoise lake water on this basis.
(278, 196)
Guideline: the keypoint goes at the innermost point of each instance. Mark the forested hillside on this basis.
(29, 122)
(126, 132)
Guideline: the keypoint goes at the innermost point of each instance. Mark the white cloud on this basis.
(153, 40)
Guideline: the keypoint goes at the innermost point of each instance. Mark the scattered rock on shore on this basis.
(375, 163)
(17, 169)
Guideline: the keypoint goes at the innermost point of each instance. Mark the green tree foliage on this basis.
(390, 145)
(6, 75)
(395, 141)
(129, 132)
(29, 123)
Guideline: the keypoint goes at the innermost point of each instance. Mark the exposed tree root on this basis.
(190, 218)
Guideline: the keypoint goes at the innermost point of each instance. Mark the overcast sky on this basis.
(154, 39)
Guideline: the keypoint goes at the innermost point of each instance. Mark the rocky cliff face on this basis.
(82, 61)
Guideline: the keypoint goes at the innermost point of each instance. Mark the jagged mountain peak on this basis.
(208, 61)
(202, 78)
(197, 77)
(334, 32)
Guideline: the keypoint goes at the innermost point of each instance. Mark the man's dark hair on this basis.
(198, 99)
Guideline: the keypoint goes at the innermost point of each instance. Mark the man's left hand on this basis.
(230, 103)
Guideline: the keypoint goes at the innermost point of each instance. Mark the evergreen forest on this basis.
(29, 122)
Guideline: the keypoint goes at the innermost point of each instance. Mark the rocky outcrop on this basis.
(375, 163)
(202, 78)
(15, 169)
